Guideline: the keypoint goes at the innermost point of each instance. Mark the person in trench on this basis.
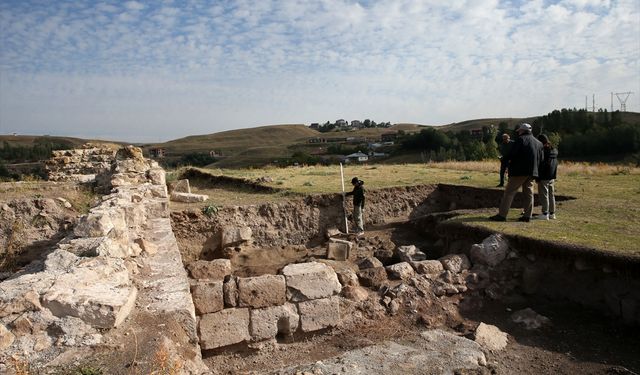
(358, 204)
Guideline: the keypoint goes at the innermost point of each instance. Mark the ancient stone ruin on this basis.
(146, 290)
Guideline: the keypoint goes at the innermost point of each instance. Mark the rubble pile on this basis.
(80, 165)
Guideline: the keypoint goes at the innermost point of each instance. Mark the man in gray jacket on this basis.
(524, 158)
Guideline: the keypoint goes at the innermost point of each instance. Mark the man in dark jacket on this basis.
(358, 203)
(524, 158)
(504, 148)
(546, 179)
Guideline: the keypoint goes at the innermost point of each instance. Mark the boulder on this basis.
(401, 271)
(347, 277)
(530, 319)
(232, 236)
(319, 314)
(410, 254)
(355, 293)
(369, 262)
(207, 296)
(373, 277)
(100, 222)
(268, 322)
(490, 337)
(157, 176)
(215, 269)
(180, 186)
(491, 251)
(222, 328)
(261, 291)
(428, 267)
(307, 281)
(455, 263)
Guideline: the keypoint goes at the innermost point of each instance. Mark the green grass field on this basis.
(605, 215)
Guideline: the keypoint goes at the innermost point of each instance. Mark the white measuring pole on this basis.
(346, 222)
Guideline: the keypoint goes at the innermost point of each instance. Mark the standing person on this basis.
(546, 179)
(504, 149)
(358, 203)
(524, 158)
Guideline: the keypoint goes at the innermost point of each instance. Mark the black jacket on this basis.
(525, 156)
(358, 194)
(549, 166)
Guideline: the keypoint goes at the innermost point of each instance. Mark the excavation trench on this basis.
(561, 280)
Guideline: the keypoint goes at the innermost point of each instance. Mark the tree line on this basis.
(576, 132)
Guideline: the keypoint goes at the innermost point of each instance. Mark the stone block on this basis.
(347, 277)
(230, 290)
(261, 291)
(373, 277)
(490, 337)
(215, 269)
(222, 328)
(188, 197)
(410, 254)
(268, 322)
(157, 176)
(401, 271)
(313, 280)
(207, 296)
(455, 263)
(180, 186)
(369, 262)
(231, 236)
(100, 222)
(491, 251)
(355, 293)
(6, 337)
(338, 249)
(319, 314)
(428, 267)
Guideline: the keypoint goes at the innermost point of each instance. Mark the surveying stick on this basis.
(344, 209)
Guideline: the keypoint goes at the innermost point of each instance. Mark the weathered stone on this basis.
(347, 277)
(338, 249)
(530, 319)
(180, 186)
(410, 254)
(230, 290)
(491, 251)
(226, 327)
(215, 269)
(331, 232)
(268, 322)
(157, 176)
(355, 293)
(319, 314)
(21, 294)
(188, 197)
(369, 262)
(490, 337)
(231, 236)
(401, 271)
(207, 296)
(6, 337)
(428, 267)
(147, 247)
(98, 291)
(455, 263)
(22, 326)
(100, 222)
(261, 291)
(306, 281)
(373, 277)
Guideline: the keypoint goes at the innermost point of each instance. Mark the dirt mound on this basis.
(31, 226)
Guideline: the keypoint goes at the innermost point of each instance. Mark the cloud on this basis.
(175, 68)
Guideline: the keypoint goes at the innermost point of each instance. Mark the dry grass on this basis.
(604, 216)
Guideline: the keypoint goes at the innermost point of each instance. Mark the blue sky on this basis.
(159, 70)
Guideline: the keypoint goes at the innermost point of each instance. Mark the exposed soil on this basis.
(579, 340)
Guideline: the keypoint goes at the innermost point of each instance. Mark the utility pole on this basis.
(593, 103)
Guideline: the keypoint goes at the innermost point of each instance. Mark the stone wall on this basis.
(80, 165)
(121, 261)
(303, 298)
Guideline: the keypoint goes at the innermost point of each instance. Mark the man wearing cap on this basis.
(524, 158)
(504, 149)
(358, 203)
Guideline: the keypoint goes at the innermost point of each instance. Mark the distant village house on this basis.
(157, 152)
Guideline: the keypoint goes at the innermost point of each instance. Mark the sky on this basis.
(151, 71)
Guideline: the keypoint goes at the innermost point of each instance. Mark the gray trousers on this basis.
(546, 194)
(513, 184)
(357, 217)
